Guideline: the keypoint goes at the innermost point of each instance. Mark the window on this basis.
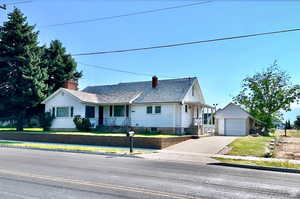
(127, 110)
(197, 112)
(154, 129)
(89, 111)
(110, 110)
(186, 108)
(62, 111)
(149, 109)
(157, 109)
(119, 111)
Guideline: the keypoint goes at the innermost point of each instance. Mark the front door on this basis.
(100, 115)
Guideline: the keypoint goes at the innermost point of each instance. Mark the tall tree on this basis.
(267, 93)
(60, 66)
(22, 83)
(297, 122)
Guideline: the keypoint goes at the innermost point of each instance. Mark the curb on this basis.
(246, 166)
(74, 151)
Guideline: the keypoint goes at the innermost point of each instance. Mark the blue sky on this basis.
(220, 67)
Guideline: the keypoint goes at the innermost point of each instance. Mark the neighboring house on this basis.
(232, 120)
(167, 106)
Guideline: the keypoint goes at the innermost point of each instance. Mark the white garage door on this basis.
(235, 127)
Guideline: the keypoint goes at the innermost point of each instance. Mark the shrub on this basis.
(34, 122)
(82, 124)
(46, 120)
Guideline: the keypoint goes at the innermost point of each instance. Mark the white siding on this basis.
(197, 97)
(232, 112)
(63, 99)
(220, 126)
(113, 121)
(178, 117)
(187, 117)
(140, 118)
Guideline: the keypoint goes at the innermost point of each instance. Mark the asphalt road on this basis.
(31, 174)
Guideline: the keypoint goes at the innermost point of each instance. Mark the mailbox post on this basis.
(130, 135)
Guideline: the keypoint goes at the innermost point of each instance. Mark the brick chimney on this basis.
(154, 82)
(71, 84)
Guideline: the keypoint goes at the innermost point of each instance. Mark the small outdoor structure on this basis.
(163, 106)
(232, 120)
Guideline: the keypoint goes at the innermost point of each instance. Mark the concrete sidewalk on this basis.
(175, 156)
(194, 150)
(205, 145)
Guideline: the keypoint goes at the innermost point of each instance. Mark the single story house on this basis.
(166, 106)
(232, 120)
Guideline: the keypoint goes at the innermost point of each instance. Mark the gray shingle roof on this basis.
(111, 98)
(172, 90)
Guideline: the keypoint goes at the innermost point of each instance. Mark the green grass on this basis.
(40, 131)
(65, 147)
(249, 146)
(25, 129)
(293, 133)
(261, 163)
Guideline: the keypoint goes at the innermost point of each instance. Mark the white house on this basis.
(167, 106)
(232, 120)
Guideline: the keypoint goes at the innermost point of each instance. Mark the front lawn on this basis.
(250, 146)
(40, 131)
(25, 129)
(261, 163)
(293, 133)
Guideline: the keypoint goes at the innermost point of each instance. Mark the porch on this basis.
(203, 118)
(109, 115)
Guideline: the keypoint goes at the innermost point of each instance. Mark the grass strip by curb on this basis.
(75, 148)
(40, 131)
(285, 164)
(250, 146)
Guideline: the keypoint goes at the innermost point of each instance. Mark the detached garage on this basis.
(232, 120)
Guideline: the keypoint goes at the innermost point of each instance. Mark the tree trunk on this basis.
(20, 121)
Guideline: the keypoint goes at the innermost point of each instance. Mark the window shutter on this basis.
(53, 111)
(72, 111)
(110, 110)
(127, 110)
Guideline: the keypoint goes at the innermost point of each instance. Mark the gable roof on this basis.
(235, 105)
(243, 110)
(113, 98)
(171, 90)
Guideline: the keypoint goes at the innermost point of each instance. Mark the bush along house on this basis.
(172, 106)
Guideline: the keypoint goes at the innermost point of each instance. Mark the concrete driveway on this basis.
(204, 145)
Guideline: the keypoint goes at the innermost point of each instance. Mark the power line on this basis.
(125, 15)
(122, 71)
(17, 2)
(4, 6)
(186, 43)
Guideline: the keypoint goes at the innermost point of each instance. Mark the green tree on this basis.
(297, 122)
(288, 125)
(60, 66)
(267, 93)
(22, 83)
